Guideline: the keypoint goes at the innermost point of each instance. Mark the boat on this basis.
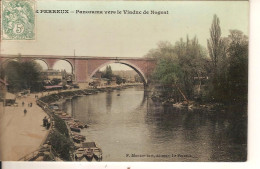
(78, 135)
(89, 145)
(89, 154)
(79, 154)
(78, 138)
(80, 125)
(97, 154)
(118, 94)
(73, 128)
(92, 151)
(65, 118)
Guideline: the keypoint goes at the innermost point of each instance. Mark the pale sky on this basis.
(125, 35)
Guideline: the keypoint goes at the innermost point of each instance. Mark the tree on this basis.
(178, 65)
(23, 75)
(168, 71)
(165, 49)
(192, 58)
(238, 67)
(61, 144)
(2, 73)
(214, 43)
(119, 79)
(108, 73)
(217, 47)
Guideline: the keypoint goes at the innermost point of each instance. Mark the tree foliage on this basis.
(185, 64)
(108, 73)
(238, 66)
(230, 65)
(119, 80)
(61, 144)
(23, 75)
(178, 64)
(214, 43)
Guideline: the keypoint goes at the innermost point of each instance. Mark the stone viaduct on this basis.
(84, 67)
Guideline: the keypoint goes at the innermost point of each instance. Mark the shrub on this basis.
(60, 125)
(61, 144)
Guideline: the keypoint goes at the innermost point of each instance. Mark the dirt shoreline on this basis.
(21, 134)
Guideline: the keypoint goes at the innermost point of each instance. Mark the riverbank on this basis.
(189, 105)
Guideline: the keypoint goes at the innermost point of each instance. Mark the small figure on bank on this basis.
(48, 123)
(45, 121)
(22, 103)
(30, 104)
(25, 111)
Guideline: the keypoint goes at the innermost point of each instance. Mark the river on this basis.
(128, 126)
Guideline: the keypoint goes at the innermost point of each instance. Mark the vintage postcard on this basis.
(124, 81)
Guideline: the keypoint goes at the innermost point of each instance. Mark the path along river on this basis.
(131, 127)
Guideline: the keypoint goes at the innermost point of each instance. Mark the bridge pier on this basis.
(148, 87)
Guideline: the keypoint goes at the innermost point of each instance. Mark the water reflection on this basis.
(133, 124)
(108, 101)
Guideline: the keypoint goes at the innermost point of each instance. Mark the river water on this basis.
(131, 127)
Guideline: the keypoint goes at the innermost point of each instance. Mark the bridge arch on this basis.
(65, 60)
(6, 61)
(134, 67)
(42, 60)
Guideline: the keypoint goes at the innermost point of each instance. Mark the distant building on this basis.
(99, 82)
(62, 76)
(9, 99)
(4, 95)
(51, 74)
(67, 77)
(128, 75)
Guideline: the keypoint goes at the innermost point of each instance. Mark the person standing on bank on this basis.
(25, 111)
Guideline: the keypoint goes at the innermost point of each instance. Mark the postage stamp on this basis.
(18, 20)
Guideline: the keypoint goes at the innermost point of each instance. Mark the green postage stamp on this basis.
(18, 20)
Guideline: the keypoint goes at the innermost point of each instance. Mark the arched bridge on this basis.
(84, 67)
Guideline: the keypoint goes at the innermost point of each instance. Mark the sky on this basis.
(119, 35)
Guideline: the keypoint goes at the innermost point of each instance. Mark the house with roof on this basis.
(9, 98)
